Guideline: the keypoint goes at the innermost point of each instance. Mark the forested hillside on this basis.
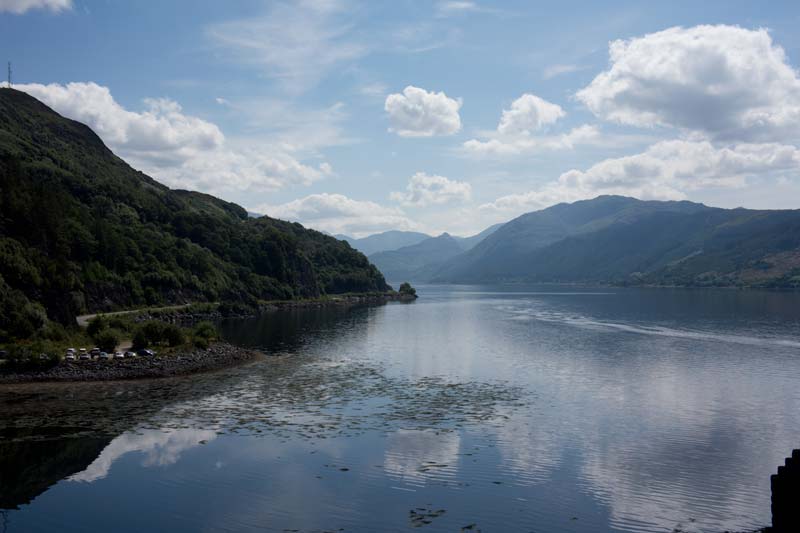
(82, 231)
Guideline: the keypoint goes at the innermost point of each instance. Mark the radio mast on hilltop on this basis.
(9, 74)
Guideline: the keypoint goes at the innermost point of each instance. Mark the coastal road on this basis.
(83, 320)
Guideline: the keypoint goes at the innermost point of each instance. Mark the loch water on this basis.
(475, 408)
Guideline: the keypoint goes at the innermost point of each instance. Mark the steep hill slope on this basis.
(80, 231)
(468, 243)
(624, 240)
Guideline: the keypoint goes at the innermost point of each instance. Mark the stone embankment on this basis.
(193, 360)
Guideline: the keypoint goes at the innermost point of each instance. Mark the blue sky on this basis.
(357, 117)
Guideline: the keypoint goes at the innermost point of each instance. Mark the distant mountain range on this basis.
(423, 260)
(381, 242)
(614, 239)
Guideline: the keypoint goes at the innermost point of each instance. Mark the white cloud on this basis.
(419, 113)
(160, 132)
(178, 149)
(424, 190)
(727, 82)
(665, 171)
(450, 8)
(457, 5)
(501, 146)
(373, 89)
(296, 43)
(516, 131)
(21, 6)
(528, 113)
(560, 69)
(336, 213)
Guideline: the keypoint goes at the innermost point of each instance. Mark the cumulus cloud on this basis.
(336, 213)
(296, 43)
(727, 82)
(520, 144)
(528, 113)
(665, 171)
(520, 127)
(424, 190)
(418, 113)
(178, 149)
(21, 6)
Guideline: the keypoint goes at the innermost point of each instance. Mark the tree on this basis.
(96, 325)
(407, 290)
(205, 330)
(173, 335)
(140, 339)
(108, 339)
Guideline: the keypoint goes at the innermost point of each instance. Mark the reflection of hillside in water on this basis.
(27, 469)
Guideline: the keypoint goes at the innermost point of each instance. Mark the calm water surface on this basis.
(496, 409)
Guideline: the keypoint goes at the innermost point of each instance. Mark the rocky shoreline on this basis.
(192, 361)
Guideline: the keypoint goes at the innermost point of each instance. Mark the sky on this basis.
(357, 117)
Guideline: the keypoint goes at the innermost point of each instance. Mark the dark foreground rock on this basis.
(218, 355)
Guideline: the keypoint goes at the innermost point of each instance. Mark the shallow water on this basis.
(493, 409)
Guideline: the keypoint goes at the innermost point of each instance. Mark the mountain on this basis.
(381, 242)
(467, 243)
(419, 261)
(613, 239)
(81, 231)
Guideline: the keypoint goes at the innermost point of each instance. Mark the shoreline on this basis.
(192, 361)
(185, 314)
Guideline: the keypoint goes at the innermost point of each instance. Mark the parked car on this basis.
(130, 354)
(70, 356)
(43, 357)
(84, 356)
(147, 353)
(95, 352)
(118, 355)
(3, 354)
(72, 350)
(103, 355)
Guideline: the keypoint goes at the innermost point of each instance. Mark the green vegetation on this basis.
(81, 231)
(107, 340)
(203, 333)
(155, 333)
(407, 290)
